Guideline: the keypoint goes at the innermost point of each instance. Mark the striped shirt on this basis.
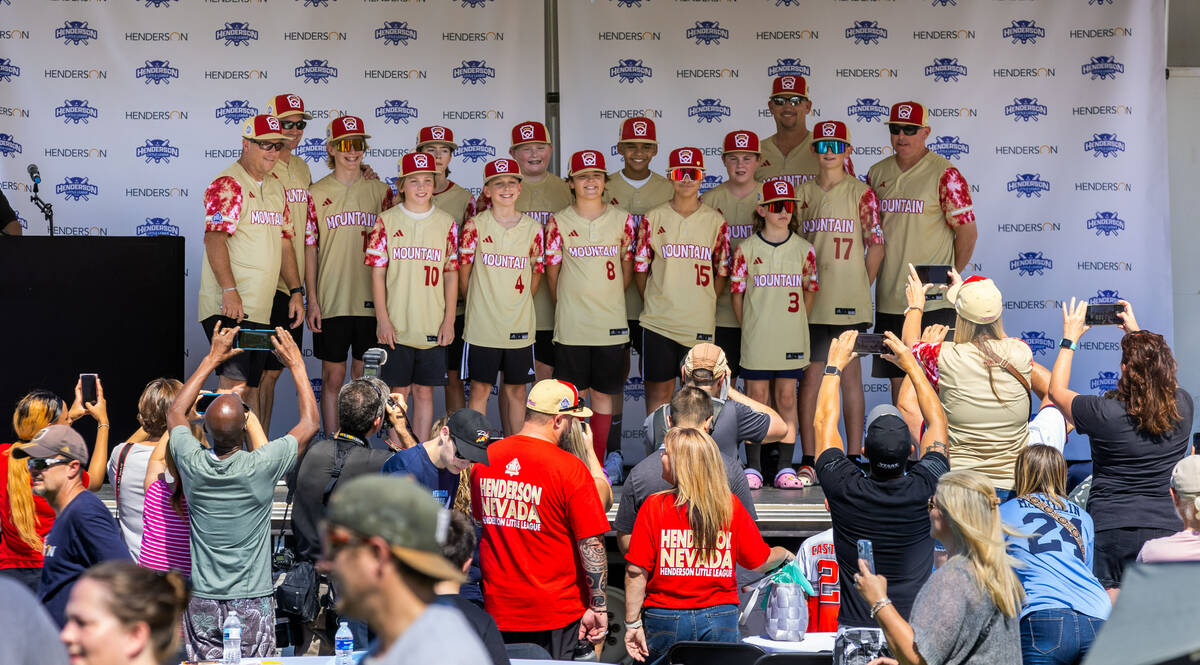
(165, 539)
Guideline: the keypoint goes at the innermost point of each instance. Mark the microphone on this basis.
(34, 174)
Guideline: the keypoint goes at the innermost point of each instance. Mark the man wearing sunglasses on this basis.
(84, 532)
(926, 212)
(787, 154)
(247, 248)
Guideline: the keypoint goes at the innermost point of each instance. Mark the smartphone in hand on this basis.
(87, 383)
(866, 552)
(255, 340)
(1103, 315)
(870, 344)
(933, 273)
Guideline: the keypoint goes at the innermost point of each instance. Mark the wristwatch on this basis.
(831, 370)
(1067, 344)
(298, 289)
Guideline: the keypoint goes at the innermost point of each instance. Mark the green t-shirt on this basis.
(229, 502)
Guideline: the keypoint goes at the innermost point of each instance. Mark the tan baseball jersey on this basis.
(840, 223)
(499, 304)
(657, 190)
(919, 209)
(799, 166)
(773, 279)
(417, 251)
(739, 215)
(255, 215)
(539, 200)
(683, 256)
(591, 292)
(340, 222)
(296, 179)
(459, 202)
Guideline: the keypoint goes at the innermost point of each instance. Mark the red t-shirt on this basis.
(14, 552)
(680, 578)
(536, 502)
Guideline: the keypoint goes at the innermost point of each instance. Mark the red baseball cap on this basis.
(908, 113)
(638, 130)
(345, 126)
(831, 130)
(742, 140)
(285, 105)
(262, 128)
(789, 85)
(499, 167)
(416, 162)
(585, 161)
(776, 190)
(530, 131)
(436, 134)
(686, 158)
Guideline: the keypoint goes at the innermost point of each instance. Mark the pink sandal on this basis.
(787, 479)
(754, 478)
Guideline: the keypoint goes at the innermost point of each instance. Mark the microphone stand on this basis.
(47, 209)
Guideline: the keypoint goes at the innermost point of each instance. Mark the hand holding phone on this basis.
(204, 401)
(1104, 315)
(87, 386)
(870, 344)
(866, 552)
(933, 273)
(251, 339)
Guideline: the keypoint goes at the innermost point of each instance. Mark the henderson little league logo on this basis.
(157, 226)
(949, 147)
(9, 147)
(475, 71)
(867, 109)
(1025, 108)
(158, 71)
(708, 33)
(157, 150)
(237, 33)
(788, 67)
(1104, 145)
(1038, 342)
(630, 71)
(475, 150)
(75, 188)
(945, 70)
(1028, 185)
(866, 32)
(395, 33)
(312, 150)
(1105, 297)
(316, 71)
(1106, 223)
(1030, 263)
(75, 111)
(75, 33)
(709, 110)
(1104, 382)
(1103, 67)
(395, 111)
(1024, 32)
(236, 110)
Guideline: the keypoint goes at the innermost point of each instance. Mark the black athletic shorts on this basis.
(483, 363)
(820, 335)
(768, 374)
(341, 334)
(730, 341)
(454, 352)
(663, 357)
(406, 366)
(598, 368)
(635, 335)
(543, 347)
(882, 369)
(246, 366)
(279, 318)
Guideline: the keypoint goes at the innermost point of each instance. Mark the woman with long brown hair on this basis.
(682, 553)
(1138, 432)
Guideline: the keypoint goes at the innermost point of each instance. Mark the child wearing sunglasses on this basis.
(774, 281)
(839, 215)
(682, 264)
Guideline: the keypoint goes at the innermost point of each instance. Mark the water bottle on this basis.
(343, 645)
(231, 633)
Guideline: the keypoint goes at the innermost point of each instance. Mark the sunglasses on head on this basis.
(269, 146)
(909, 130)
(293, 124)
(350, 145)
(686, 174)
(780, 206)
(823, 147)
(796, 100)
(43, 463)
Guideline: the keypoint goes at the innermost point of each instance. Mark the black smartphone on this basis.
(866, 551)
(870, 344)
(255, 340)
(1103, 315)
(204, 401)
(933, 273)
(88, 388)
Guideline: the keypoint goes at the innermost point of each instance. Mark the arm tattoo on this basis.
(937, 447)
(595, 569)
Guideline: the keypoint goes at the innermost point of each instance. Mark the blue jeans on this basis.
(666, 627)
(1057, 637)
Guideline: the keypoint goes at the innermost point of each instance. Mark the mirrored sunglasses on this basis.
(823, 147)
(796, 100)
(43, 463)
(686, 174)
(780, 206)
(358, 144)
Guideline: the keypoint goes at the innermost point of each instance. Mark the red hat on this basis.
(436, 134)
(499, 167)
(345, 126)
(530, 131)
(587, 160)
(742, 140)
(416, 162)
(776, 190)
(789, 85)
(262, 128)
(686, 158)
(831, 130)
(285, 105)
(638, 130)
(908, 113)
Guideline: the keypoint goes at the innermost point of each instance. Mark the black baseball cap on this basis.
(888, 443)
(469, 430)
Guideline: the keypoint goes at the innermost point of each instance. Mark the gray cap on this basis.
(54, 440)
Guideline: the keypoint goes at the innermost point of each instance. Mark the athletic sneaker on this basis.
(614, 466)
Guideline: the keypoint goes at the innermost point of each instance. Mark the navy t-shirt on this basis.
(84, 534)
(415, 461)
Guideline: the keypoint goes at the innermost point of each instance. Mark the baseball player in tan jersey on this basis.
(438, 141)
(342, 214)
(736, 200)
(413, 252)
(839, 215)
(636, 189)
(787, 153)
(773, 281)
(682, 263)
(927, 216)
(501, 259)
(589, 262)
(247, 232)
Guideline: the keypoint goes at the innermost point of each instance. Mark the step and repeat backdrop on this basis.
(1054, 110)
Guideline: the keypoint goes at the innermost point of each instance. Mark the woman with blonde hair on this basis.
(968, 610)
(682, 553)
(578, 441)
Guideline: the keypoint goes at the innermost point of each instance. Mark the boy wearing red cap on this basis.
(343, 210)
(682, 263)
(501, 257)
(839, 215)
(774, 281)
(786, 153)
(735, 199)
(413, 252)
(589, 262)
(926, 211)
